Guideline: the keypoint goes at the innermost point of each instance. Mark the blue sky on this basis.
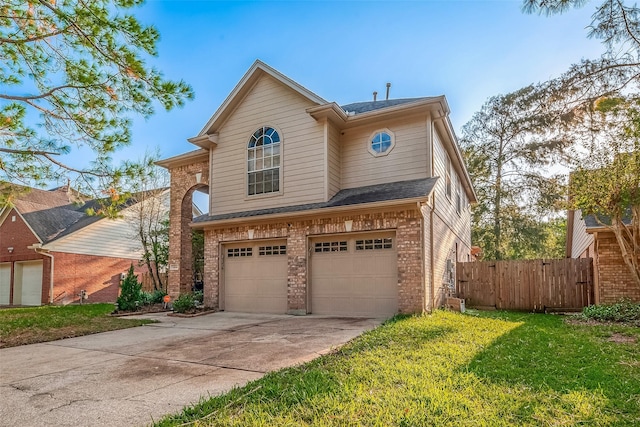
(343, 51)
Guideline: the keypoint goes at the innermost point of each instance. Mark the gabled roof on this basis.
(257, 70)
(56, 213)
(52, 213)
(392, 191)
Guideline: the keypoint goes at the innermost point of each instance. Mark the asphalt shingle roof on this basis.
(364, 107)
(352, 196)
(591, 222)
(52, 213)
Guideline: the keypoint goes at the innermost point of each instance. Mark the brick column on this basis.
(185, 179)
(211, 270)
(411, 292)
(297, 270)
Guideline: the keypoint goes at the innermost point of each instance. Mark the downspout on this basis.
(431, 262)
(433, 207)
(41, 251)
(422, 259)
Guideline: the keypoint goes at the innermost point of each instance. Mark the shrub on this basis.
(130, 292)
(184, 303)
(198, 296)
(624, 311)
(157, 296)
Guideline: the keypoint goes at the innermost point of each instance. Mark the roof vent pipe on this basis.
(388, 87)
(375, 95)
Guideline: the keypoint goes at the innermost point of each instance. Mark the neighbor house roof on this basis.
(393, 191)
(591, 221)
(52, 213)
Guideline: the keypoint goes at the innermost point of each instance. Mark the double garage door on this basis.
(350, 275)
(27, 283)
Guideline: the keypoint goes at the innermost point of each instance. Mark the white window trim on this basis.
(373, 134)
(278, 193)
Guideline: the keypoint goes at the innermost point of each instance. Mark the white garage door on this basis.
(354, 275)
(255, 277)
(28, 283)
(5, 283)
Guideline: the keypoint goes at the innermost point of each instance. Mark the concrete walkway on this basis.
(133, 376)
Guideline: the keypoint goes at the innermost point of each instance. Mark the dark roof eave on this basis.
(311, 212)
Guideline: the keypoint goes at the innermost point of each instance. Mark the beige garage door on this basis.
(5, 283)
(255, 277)
(354, 275)
(28, 283)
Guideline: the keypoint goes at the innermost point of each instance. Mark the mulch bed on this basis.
(145, 309)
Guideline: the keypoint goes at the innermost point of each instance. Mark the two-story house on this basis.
(353, 210)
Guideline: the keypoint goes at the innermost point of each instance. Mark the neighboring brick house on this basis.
(50, 250)
(586, 238)
(354, 210)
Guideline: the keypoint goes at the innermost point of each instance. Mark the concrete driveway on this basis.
(133, 376)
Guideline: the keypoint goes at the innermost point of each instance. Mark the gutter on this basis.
(38, 249)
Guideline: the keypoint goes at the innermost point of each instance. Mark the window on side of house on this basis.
(263, 162)
(447, 173)
(458, 196)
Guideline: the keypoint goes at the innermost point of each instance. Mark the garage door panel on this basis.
(5, 283)
(28, 278)
(355, 282)
(255, 282)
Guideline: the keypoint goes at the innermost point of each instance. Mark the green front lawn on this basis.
(20, 326)
(477, 369)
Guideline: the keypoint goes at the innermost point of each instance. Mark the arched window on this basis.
(263, 162)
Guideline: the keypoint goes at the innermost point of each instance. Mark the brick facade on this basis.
(406, 223)
(614, 280)
(97, 275)
(184, 181)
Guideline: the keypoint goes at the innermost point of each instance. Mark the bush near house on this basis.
(625, 311)
(130, 292)
(187, 302)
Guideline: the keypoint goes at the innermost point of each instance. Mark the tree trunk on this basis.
(628, 248)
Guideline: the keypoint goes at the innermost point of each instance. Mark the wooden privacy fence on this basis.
(532, 285)
(147, 283)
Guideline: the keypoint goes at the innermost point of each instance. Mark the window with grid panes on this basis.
(263, 162)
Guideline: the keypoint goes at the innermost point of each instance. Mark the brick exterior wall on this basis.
(406, 223)
(184, 181)
(99, 276)
(614, 280)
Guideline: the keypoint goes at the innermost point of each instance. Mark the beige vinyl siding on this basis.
(106, 237)
(302, 168)
(581, 239)
(450, 228)
(334, 161)
(407, 160)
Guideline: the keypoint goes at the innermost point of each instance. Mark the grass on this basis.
(477, 369)
(20, 326)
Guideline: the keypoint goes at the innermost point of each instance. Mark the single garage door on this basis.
(354, 275)
(255, 277)
(5, 283)
(28, 283)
